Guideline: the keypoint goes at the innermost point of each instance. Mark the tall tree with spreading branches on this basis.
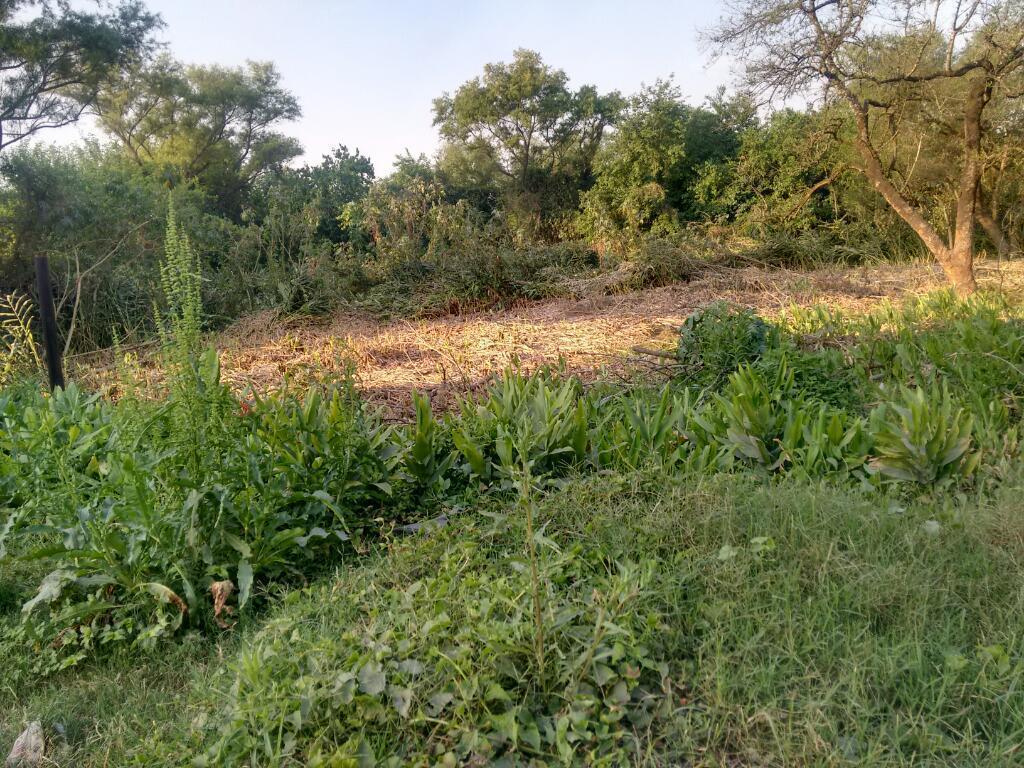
(214, 124)
(524, 120)
(883, 59)
(53, 59)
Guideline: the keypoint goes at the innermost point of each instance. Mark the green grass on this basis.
(800, 625)
(806, 569)
(106, 709)
(98, 712)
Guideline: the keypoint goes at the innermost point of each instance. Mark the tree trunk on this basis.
(994, 231)
(962, 251)
(957, 258)
(959, 273)
(959, 267)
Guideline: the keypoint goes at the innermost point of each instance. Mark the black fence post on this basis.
(49, 322)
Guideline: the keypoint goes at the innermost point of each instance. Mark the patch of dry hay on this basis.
(451, 356)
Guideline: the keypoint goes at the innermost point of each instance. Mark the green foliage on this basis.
(138, 521)
(648, 172)
(180, 323)
(923, 438)
(658, 261)
(327, 460)
(18, 351)
(101, 222)
(780, 182)
(646, 431)
(765, 423)
(523, 117)
(974, 345)
(340, 179)
(429, 456)
(911, 610)
(821, 375)
(745, 590)
(441, 669)
(210, 124)
(716, 340)
(140, 509)
(55, 57)
(282, 259)
(536, 421)
(753, 417)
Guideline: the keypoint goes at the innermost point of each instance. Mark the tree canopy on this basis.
(210, 123)
(54, 59)
(892, 63)
(524, 119)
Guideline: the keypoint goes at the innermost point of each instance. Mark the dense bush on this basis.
(440, 670)
(716, 340)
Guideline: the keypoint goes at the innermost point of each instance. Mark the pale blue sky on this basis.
(365, 73)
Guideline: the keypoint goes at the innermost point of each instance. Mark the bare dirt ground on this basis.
(449, 357)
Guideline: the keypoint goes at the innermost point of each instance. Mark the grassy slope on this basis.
(859, 634)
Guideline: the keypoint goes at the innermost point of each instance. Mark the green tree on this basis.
(394, 219)
(881, 59)
(214, 125)
(634, 168)
(339, 179)
(648, 171)
(99, 218)
(523, 118)
(54, 59)
(470, 173)
(783, 173)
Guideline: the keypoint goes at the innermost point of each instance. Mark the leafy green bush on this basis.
(18, 351)
(976, 346)
(536, 420)
(644, 431)
(474, 275)
(327, 459)
(143, 509)
(923, 439)
(428, 459)
(140, 508)
(765, 423)
(139, 526)
(718, 339)
(441, 670)
(821, 375)
(657, 262)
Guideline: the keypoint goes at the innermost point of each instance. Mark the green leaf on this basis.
(411, 667)
(506, 725)
(496, 693)
(727, 552)
(238, 545)
(401, 699)
(50, 589)
(244, 583)
(437, 703)
(372, 679)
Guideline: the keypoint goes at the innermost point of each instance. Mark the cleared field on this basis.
(591, 337)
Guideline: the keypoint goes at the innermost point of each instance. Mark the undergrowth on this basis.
(129, 528)
(722, 621)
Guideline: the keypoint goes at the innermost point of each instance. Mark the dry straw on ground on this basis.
(448, 357)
